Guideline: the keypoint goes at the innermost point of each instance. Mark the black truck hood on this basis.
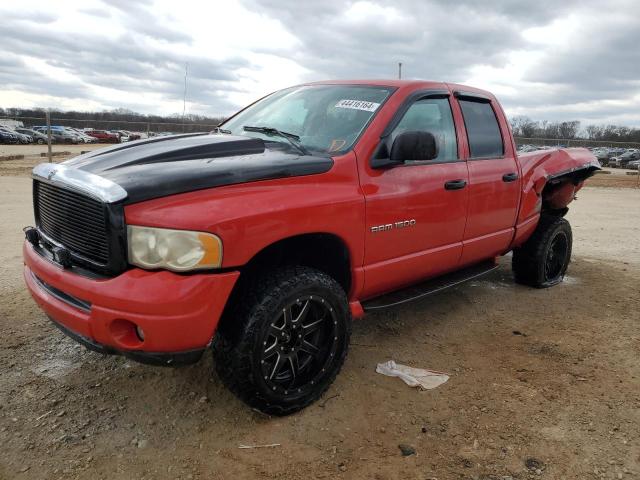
(163, 166)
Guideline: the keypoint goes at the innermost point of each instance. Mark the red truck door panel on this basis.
(494, 183)
(414, 224)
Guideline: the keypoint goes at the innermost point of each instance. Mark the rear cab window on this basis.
(483, 131)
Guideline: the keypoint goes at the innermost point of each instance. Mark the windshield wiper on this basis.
(220, 130)
(292, 138)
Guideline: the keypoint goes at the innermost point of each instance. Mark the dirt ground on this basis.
(32, 156)
(544, 383)
(616, 177)
(36, 150)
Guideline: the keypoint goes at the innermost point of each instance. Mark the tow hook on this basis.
(32, 235)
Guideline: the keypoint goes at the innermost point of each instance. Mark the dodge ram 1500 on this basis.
(263, 239)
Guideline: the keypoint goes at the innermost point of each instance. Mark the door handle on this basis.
(455, 184)
(510, 177)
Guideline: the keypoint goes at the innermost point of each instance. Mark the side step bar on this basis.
(423, 289)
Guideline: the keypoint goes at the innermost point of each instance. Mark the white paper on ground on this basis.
(414, 377)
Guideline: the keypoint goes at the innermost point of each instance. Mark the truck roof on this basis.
(405, 84)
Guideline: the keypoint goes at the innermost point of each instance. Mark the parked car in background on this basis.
(123, 135)
(116, 133)
(130, 136)
(37, 137)
(622, 160)
(22, 138)
(84, 138)
(614, 152)
(634, 165)
(603, 155)
(61, 134)
(62, 137)
(103, 136)
(8, 137)
(68, 136)
(526, 148)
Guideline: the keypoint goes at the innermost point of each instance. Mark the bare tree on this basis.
(594, 132)
(523, 126)
(568, 129)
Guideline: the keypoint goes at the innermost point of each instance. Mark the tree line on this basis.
(524, 126)
(120, 118)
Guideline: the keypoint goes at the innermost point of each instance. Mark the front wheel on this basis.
(543, 259)
(286, 340)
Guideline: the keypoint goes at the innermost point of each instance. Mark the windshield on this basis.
(320, 118)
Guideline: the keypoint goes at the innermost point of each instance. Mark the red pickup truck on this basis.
(103, 136)
(306, 209)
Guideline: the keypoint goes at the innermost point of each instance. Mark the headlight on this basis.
(177, 250)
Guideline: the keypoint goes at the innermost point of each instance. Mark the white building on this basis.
(11, 123)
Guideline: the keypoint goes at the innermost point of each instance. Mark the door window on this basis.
(483, 132)
(432, 115)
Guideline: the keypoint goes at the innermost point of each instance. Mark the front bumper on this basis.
(178, 314)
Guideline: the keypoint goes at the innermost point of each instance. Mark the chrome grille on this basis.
(75, 221)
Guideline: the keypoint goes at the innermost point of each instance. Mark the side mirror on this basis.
(414, 145)
(407, 146)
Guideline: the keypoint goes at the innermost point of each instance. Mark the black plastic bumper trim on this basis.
(62, 296)
(163, 359)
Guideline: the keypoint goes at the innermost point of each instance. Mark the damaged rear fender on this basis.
(551, 179)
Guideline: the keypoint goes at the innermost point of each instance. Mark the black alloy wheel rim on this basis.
(299, 345)
(556, 257)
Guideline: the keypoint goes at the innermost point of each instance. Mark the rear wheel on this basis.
(543, 260)
(285, 341)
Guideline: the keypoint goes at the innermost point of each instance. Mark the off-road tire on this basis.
(238, 344)
(529, 260)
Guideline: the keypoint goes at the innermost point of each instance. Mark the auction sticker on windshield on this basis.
(358, 105)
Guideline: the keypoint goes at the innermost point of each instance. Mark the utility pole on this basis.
(47, 116)
(399, 70)
(184, 97)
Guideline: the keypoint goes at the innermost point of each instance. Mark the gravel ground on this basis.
(36, 150)
(544, 383)
(32, 156)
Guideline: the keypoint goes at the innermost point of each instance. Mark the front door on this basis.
(416, 212)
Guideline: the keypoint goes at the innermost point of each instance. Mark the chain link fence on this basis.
(573, 142)
(188, 126)
(144, 127)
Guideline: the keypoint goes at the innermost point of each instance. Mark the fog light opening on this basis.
(126, 334)
(140, 333)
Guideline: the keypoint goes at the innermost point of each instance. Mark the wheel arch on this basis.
(324, 251)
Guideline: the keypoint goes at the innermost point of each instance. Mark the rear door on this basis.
(494, 183)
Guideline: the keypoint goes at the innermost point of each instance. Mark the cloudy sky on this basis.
(546, 59)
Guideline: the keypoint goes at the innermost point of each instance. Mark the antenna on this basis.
(399, 70)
